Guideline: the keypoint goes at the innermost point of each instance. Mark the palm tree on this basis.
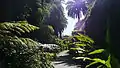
(80, 9)
(75, 8)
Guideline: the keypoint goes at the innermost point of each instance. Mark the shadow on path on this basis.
(64, 60)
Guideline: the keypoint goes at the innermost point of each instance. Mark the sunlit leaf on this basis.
(96, 51)
(108, 62)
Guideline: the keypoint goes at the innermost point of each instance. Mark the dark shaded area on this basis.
(115, 28)
(96, 26)
(106, 13)
(10, 9)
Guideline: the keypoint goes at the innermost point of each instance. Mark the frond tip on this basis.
(97, 51)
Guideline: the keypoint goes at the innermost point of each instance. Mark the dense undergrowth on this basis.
(84, 52)
(19, 52)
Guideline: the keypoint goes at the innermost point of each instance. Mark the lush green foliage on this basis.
(45, 34)
(35, 12)
(62, 43)
(82, 48)
(57, 18)
(18, 28)
(19, 52)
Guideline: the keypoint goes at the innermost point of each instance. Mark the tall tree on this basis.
(75, 7)
(57, 18)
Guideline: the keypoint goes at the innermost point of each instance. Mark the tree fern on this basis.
(19, 52)
(99, 58)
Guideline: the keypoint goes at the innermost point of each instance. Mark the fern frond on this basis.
(96, 51)
(80, 45)
(83, 38)
(19, 27)
(17, 42)
(108, 62)
(91, 64)
(77, 49)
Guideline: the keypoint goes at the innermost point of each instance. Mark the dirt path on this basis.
(64, 61)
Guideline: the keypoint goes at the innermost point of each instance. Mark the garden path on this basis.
(64, 60)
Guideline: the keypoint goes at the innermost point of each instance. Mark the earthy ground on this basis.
(64, 61)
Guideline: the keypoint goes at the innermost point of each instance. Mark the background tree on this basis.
(57, 18)
(75, 8)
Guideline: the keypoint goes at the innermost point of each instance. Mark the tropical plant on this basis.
(79, 44)
(102, 63)
(75, 7)
(80, 9)
(85, 53)
(62, 45)
(19, 52)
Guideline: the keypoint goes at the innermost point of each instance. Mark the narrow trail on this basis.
(64, 61)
